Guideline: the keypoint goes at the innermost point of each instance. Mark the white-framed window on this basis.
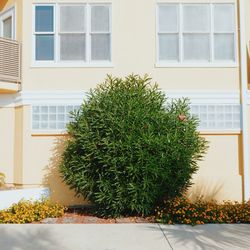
(7, 24)
(71, 34)
(196, 34)
(44, 33)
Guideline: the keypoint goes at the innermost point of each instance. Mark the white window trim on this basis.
(76, 98)
(11, 12)
(182, 64)
(56, 63)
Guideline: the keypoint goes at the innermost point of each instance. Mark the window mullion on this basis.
(56, 31)
(88, 35)
(103, 32)
(180, 20)
(110, 32)
(211, 33)
(235, 32)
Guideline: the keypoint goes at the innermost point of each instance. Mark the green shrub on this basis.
(28, 211)
(182, 211)
(129, 148)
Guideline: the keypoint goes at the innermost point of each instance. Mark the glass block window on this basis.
(217, 117)
(76, 33)
(196, 32)
(46, 118)
(51, 117)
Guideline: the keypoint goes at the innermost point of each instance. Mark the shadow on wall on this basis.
(202, 189)
(52, 179)
(219, 186)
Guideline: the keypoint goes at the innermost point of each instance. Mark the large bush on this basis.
(130, 148)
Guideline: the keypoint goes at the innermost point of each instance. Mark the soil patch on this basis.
(87, 216)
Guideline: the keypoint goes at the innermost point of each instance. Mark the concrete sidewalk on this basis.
(123, 237)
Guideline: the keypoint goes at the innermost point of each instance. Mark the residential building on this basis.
(53, 52)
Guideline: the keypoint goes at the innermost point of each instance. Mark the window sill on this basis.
(196, 65)
(219, 132)
(59, 132)
(71, 65)
(63, 132)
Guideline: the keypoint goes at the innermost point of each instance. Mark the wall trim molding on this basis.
(76, 97)
(248, 97)
(207, 97)
(50, 97)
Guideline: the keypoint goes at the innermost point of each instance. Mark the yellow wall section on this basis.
(18, 146)
(35, 158)
(219, 175)
(2, 4)
(248, 126)
(40, 159)
(134, 51)
(247, 9)
(45, 161)
(6, 142)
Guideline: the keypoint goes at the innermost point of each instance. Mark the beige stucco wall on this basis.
(219, 177)
(35, 158)
(247, 9)
(248, 123)
(18, 146)
(133, 49)
(7, 125)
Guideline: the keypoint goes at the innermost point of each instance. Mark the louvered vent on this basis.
(10, 60)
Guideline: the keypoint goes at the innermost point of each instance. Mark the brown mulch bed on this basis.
(86, 216)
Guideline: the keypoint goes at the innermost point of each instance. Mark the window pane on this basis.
(44, 47)
(100, 47)
(196, 17)
(72, 47)
(100, 18)
(168, 18)
(224, 47)
(168, 47)
(44, 19)
(224, 17)
(7, 27)
(72, 18)
(196, 47)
